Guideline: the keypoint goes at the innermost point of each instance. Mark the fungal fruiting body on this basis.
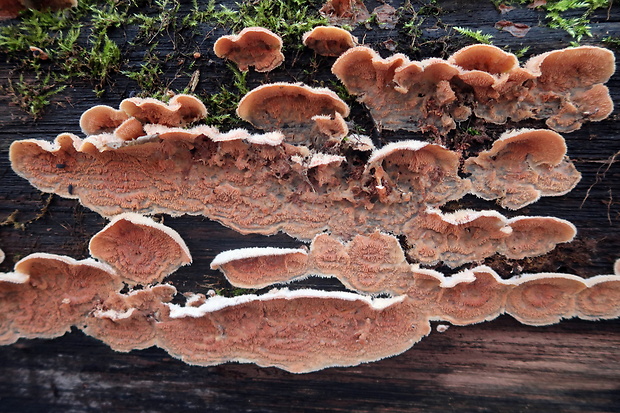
(432, 95)
(329, 40)
(10, 9)
(199, 170)
(290, 108)
(253, 46)
(298, 331)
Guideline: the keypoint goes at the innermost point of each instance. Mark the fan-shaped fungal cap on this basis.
(101, 119)
(299, 331)
(542, 299)
(180, 110)
(534, 236)
(456, 238)
(485, 58)
(601, 300)
(573, 67)
(329, 40)
(260, 267)
(521, 166)
(253, 46)
(289, 107)
(58, 293)
(472, 296)
(139, 249)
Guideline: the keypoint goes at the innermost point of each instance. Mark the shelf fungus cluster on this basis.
(48, 294)
(305, 175)
(565, 87)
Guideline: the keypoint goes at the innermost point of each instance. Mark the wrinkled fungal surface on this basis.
(290, 108)
(205, 172)
(521, 167)
(298, 331)
(253, 46)
(140, 250)
(341, 12)
(563, 86)
(329, 40)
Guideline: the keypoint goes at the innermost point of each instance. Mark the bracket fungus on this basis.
(253, 46)
(290, 108)
(345, 11)
(10, 9)
(299, 331)
(139, 249)
(521, 167)
(329, 40)
(433, 94)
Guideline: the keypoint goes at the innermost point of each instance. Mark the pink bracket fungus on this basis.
(289, 108)
(179, 111)
(329, 40)
(521, 167)
(253, 46)
(139, 249)
(127, 322)
(47, 294)
(433, 94)
(269, 265)
(345, 11)
(299, 331)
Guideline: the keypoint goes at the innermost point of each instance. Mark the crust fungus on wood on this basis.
(299, 331)
(329, 329)
(47, 294)
(521, 167)
(140, 250)
(534, 236)
(126, 322)
(343, 12)
(253, 46)
(329, 40)
(290, 108)
(431, 95)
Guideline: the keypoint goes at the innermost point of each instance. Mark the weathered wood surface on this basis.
(496, 366)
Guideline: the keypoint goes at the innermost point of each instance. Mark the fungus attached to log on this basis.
(10, 9)
(521, 167)
(433, 94)
(289, 108)
(179, 111)
(253, 46)
(139, 249)
(265, 266)
(345, 11)
(329, 40)
(601, 300)
(534, 236)
(298, 331)
(47, 294)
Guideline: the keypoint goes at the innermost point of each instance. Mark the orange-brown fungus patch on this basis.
(260, 267)
(521, 167)
(56, 293)
(126, 322)
(601, 300)
(432, 94)
(534, 236)
(544, 299)
(473, 301)
(140, 250)
(329, 40)
(295, 333)
(253, 46)
(456, 239)
(179, 111)
(345, 11)
(289, 108)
